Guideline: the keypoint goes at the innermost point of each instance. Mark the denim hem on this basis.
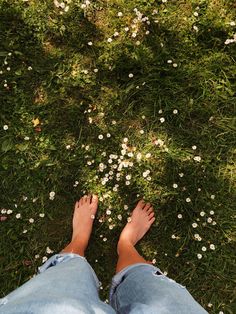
(64, 257)
(117, 279)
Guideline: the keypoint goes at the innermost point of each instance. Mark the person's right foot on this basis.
(141, 220)
(84, 214)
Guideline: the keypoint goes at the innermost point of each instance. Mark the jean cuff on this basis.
(65, 257)
(57, 259)
(120, 276)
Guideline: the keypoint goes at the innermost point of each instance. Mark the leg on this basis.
(139, 287)
(141, 220)
(66, 283)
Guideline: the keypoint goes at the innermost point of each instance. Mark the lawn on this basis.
(129, 100)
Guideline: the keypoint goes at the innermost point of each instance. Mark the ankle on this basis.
(76, 247)
(124, 244)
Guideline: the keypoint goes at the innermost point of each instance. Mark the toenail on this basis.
(129, 219)
(92, 217)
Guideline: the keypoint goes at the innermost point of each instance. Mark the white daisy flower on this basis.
(119, 217)
(52, 195)
(162, 120)
(197, 158)
(44, 259)
(48, 250)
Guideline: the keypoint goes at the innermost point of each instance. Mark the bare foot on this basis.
(141, 220)
(84, 214)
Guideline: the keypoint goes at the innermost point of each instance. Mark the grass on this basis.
(55, 106)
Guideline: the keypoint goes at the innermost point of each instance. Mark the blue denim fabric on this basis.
(143, 289)
(67, 284)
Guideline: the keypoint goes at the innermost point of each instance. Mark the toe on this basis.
(140, 204)
(151, 221)
(94, 203)
(81, 201)
(76, 204)
(89, 198)
(150, 210)
(94, 199)
(147, 206)
(85, 197)
(150, 216)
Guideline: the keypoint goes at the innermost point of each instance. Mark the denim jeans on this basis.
(67, 284)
